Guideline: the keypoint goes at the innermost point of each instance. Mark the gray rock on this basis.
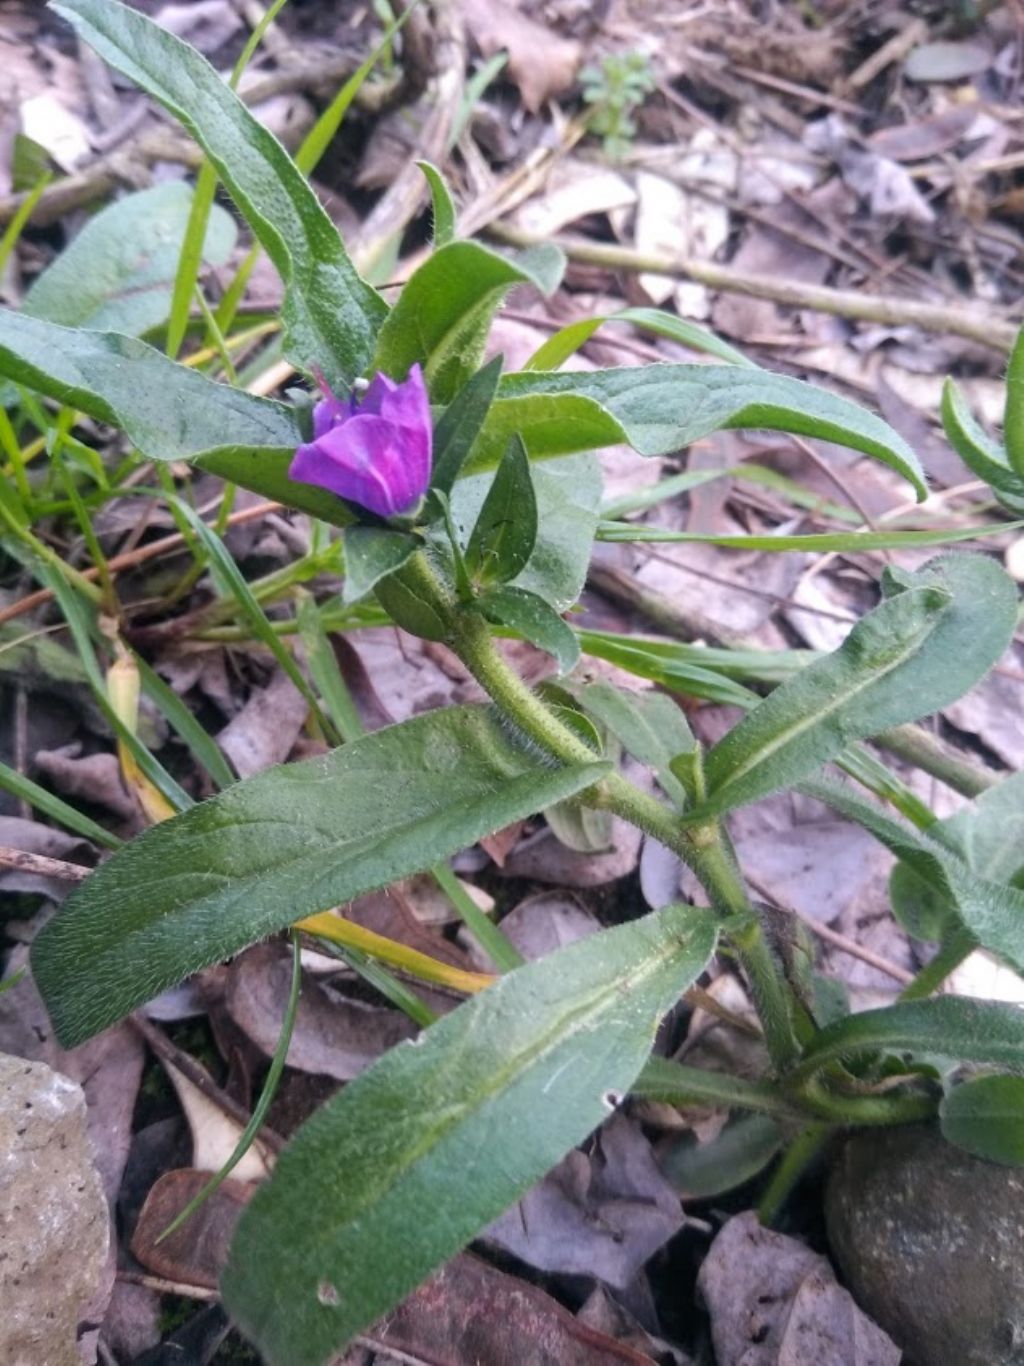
(931, 1242)
(54, 1229)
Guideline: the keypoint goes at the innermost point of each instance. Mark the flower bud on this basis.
(374, 451)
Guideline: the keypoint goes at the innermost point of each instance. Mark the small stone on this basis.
(54, 1228)
(931, 1242)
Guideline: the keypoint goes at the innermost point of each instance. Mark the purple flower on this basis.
(374, 451)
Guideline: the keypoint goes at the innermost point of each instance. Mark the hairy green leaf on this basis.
(331, 316)
(663, 407)
(947, 1026)
(568, 493)
(445, 310)
(985, 1116)
(568, 340)
(117, 274)
(460, 424)
(535, 620)
(370, 553)
(505, 530)
(936, 634)
(292, 841)
(991, 911)
(425, 1149)
(989, 836)
(443, 206)
(701, 1170)
(985, 457)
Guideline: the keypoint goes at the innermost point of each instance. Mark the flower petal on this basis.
(331, 412)
(407, 403)
(369, 461)
(373, 400)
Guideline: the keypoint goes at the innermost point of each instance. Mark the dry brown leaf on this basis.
(196, 1253)
(265, 730)
(774, 1302)
(603, 1213)
(333, 1036)
(471, 1312)
(541, 63)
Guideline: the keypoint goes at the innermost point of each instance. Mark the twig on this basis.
(184, 1289)
(131, 159)
(200, 1078)
(132, 558)
(855, 950)
(893, 51)
(24, 862)
(843, 303)
(400, 204)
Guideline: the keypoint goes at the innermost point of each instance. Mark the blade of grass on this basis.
(815, 541)
(224, 566)
(259, 1114)
(378, 977)
(190, 259)
(201, 746)
(16, 226)
(348, 934)
(25, 790)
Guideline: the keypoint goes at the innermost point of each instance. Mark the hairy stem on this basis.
(702, 848)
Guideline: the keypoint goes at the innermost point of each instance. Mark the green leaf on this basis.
(505, 530)
(460, 424)
(444, 312)
(370, 554)
(57, 809)
(1013, 414)
(988, 834)
(550, 425)
(564, 343)
(679, 669)
(118, 272)
(567, 493)
(991, 911)
(168, 411)
(677, 1084)
(650, 726)
(946, 1026)
(700, 1171)
(811, 543)
(444, 208)
(983, 456)
(331, 316)
(985, 1116)
(663, 407)
(433, 1142)
(940, 630)
(292, 841)
(531, 617)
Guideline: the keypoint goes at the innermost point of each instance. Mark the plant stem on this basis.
(794, 1162)
(701, 847)
(949, 957)
(926, 751)
(974, 324)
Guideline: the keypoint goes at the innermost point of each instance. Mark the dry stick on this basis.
(134, 557)
(200, 1078)
(837, 940)
(908, 742)
(843, 303)
(24, 862)
(131, 160)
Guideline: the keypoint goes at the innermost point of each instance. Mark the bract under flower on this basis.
(375, 451)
